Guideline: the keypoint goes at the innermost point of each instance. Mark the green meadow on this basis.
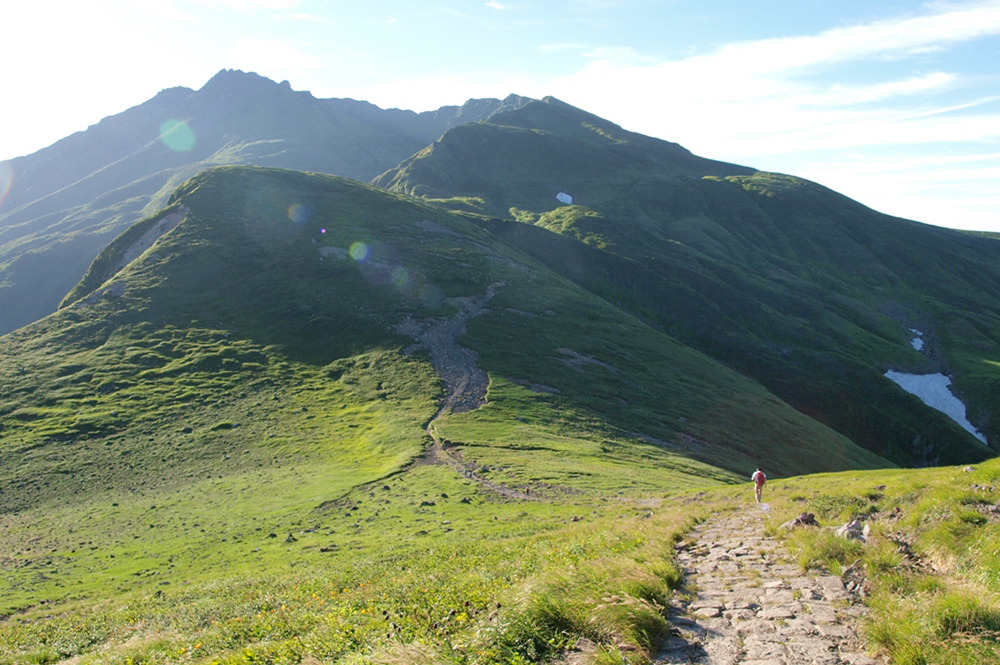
(224, 451)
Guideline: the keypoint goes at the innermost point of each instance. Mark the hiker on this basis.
(758, 479)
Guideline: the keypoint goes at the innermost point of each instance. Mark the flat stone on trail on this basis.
(753, 606)
(834, 630)
(822, 615)
(738, 615)
(779, 612)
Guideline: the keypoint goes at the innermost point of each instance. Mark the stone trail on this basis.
(753, 606)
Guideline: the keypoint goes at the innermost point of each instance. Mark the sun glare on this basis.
(360, 252)
(298, 213)
(177, 135)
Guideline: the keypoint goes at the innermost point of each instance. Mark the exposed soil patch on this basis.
(165, 225)
(578, 360)
(465, 383)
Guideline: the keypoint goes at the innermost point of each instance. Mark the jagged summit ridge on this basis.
(72, 198)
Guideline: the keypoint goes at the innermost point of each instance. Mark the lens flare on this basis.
(322, 230)
(401, 277)
(298, 213)
(6, 180)
(177, 135)
(360, 252)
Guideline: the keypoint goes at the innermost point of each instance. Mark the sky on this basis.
(895, 104)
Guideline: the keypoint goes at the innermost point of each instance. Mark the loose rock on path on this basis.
(751, 605)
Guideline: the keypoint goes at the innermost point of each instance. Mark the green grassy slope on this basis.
(242, 379)
(796, 286)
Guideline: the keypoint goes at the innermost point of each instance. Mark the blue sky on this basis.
(896, 104)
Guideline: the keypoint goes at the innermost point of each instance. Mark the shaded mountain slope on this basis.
(251, 354)
(70, 199)
(315, 269)
(264, 290)
(803, 289)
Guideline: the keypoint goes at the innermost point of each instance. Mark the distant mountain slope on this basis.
(70, 199)
(805, 290)
(525, 157)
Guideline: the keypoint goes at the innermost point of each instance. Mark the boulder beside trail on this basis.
(805, 519)
(854, 530)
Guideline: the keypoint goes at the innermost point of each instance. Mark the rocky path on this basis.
(751, 605)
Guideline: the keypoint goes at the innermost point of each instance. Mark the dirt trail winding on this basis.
(753, 606)
(465, 384)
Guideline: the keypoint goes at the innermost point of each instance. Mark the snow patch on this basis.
(932, 389)
(564, 198)
(917, 342)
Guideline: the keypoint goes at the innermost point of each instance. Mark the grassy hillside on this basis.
(230, 450)
(246, 378)
(810, 293)
(491, 581)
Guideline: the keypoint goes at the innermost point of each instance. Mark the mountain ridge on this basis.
(266, 337)
(780, 278)
(70, 199)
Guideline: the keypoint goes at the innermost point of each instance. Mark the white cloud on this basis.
(496, 5)
(848, 95)
(882, 38)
